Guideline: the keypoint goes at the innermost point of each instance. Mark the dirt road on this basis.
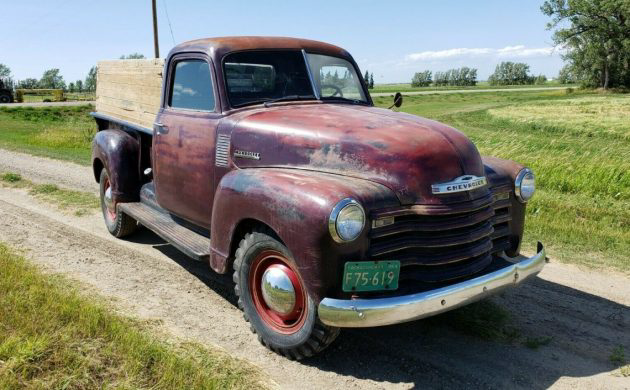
(585, 313)
(442, 91)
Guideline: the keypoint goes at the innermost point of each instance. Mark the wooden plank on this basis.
(130, 90)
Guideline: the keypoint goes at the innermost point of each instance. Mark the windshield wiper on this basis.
(342, 99)
(288, 97)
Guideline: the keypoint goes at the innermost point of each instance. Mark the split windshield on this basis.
(254, 77)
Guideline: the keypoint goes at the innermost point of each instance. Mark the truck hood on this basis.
(403, 152)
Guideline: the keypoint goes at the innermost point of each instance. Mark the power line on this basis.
(168, 19)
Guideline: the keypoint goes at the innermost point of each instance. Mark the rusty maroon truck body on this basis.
(268, 160)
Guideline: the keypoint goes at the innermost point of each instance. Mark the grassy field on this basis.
(53, 337)
(578, 144)
(406, 87)
(58, 132)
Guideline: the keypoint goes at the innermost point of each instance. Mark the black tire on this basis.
(119, 224)
(312, 336)
(5, 97)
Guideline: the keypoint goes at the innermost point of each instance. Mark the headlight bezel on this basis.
(334, 216)
(518, 183)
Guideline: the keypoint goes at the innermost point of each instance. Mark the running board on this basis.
(161, 223)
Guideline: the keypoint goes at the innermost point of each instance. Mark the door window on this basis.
(192, 86)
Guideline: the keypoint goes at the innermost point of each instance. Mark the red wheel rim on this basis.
(287, 323)
(109, 214)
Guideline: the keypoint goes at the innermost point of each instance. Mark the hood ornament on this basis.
(462, 183)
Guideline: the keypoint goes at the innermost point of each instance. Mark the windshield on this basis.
(253, 77)
(335, 78)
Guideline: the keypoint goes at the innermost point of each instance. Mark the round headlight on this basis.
(346, 220)
(524, 185)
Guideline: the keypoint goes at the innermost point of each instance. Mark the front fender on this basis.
(296, 204)
(118, 152)
(502, 172)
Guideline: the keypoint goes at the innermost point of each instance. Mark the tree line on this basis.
(464, 76)
(505, 73)
(52, 79)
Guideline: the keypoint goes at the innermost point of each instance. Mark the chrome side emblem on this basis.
(462, 183)
(245, 154)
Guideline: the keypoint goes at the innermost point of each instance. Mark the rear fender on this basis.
(118, 153)
(296, 205)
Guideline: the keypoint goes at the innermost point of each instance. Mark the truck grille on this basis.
(439, 243)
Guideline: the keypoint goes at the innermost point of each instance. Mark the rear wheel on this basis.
(118, 223)
(273, 298)
(5, 97)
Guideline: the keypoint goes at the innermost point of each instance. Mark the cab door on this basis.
(184, 140)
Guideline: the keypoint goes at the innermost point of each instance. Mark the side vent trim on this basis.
(222, 150)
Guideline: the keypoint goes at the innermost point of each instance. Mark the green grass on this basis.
(59, 132)
(80, 203)
(406, 87)
(53, 336)
(576, 143)
(536, 342)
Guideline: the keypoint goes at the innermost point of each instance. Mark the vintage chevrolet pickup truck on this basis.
(266, 158)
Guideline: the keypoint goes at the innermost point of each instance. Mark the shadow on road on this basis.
(570, 333)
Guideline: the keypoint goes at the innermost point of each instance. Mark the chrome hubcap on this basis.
(278, 290)
(108, 200)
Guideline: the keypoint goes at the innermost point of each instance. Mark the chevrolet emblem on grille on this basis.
(462, 183)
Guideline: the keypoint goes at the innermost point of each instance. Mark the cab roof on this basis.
(218, 47)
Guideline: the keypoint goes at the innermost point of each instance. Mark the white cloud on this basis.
(506, 52)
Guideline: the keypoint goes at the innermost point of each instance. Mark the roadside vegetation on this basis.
(577, 143)
(53, 336)
(59, 132)
(77, 202)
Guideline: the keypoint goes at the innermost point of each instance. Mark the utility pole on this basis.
(156, 46)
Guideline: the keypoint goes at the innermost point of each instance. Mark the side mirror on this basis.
(398, 100)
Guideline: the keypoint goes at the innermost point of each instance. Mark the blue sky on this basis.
(392, 39)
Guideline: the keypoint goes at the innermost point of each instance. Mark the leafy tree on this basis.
(511, 73)
(366, 78)
(79, 85)
(5, 72)
(566, 75)
(421, 79)
(90, 80)
(71, 87)
(132, 56)
(5, 76)
(596, 34)
(371, 86)
(52, 79)
(29, 83)
(540, 79)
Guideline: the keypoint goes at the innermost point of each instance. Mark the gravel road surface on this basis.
(585, 313)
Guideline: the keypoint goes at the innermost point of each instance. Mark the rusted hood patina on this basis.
(403, 152)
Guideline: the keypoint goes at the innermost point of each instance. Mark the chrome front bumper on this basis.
(361, 313)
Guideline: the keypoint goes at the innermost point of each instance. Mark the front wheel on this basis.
(5, 98)
(118, 223)
(273, 298)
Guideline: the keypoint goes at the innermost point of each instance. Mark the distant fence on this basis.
(56, 95)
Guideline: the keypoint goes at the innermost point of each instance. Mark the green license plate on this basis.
(371, 275)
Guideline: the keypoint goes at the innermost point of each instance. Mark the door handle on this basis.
(160, 128)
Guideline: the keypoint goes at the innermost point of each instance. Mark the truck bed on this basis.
(129, 90)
